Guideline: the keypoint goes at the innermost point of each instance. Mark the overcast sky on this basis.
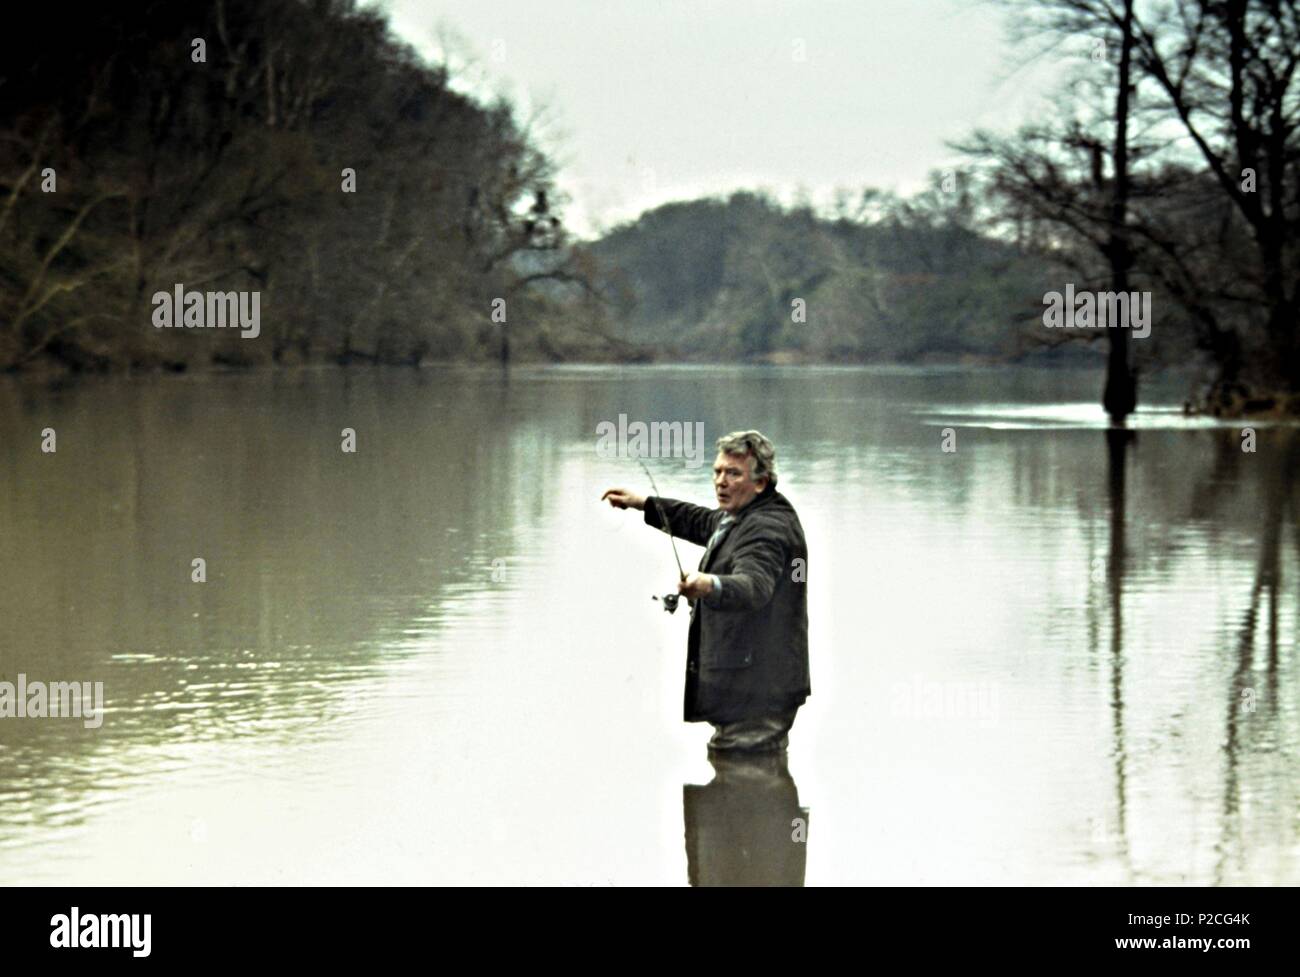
(656, 100)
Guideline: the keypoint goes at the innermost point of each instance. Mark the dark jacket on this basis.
(747, 653)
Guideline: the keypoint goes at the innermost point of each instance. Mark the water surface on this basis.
(1054, 655)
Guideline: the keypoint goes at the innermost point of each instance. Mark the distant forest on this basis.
(213, 144)
(901, 280)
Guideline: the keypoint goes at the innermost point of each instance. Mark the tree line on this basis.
(883, 278)
(130, 164)
(146, 145)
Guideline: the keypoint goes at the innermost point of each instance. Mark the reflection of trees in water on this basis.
(322, 566)
(1118, 441)
(1252, 713)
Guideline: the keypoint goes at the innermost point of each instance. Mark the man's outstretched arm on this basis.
(687, 521)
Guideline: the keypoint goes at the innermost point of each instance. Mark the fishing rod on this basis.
(670, 600)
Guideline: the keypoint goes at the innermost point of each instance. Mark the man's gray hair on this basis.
(758, 447)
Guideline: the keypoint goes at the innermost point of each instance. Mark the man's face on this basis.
(732, 484)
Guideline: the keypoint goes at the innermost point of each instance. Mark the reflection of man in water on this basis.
(747, 650)
(745, 827)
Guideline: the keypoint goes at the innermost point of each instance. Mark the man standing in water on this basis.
(747, 651)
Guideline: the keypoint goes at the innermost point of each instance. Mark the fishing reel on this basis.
(670, 601)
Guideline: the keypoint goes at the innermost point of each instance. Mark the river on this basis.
(1050, 655)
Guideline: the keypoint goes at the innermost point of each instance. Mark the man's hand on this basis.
(621, 498)
(696, 585)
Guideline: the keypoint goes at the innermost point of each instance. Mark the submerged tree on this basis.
(1074, 178)
(1194, 157)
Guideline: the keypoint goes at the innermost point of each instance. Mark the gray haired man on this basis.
(747, 650)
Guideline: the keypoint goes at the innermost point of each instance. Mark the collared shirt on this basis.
(714, 541)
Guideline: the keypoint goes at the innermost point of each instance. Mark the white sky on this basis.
(648, 101)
